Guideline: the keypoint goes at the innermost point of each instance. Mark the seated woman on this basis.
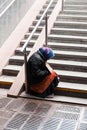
(37, 72)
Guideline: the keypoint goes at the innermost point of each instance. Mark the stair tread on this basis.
(12, 67)
(6, 78)
(68, 36)
(82, 11)
(65, 62)
(55, 61)
(70, 53)
(67, 44)
(72, 16)
(69, 29)
(58, 98)
(75, 86)
(71, 22)
(72, 73)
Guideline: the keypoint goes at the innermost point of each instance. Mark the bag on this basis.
(44, 84)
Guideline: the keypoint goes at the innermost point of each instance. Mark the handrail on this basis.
(29, 38)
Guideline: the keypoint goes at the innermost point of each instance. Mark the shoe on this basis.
(50, 96)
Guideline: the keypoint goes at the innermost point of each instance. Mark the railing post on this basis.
(62, 4)
(46, 29)
(26, 77)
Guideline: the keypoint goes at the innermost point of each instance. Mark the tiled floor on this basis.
(34, 114)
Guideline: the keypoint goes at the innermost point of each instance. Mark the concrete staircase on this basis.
(15, 63)
(68, 38)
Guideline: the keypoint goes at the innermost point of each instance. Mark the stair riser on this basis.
(41, 24)
(48, 12)
(74, 12)
(69, 32)
(19, 53)
(71, 57)
(71, 93)
(81, 7)
(38, 29)
(69, 67)
(72, 79)
(68, 48)
(74, 19)
(10, 72)
(55, 66)
(39, 16)
(66, 40)
(33, 37)
(67, 25)
(31, 43)
(82, 3)
(16, 62)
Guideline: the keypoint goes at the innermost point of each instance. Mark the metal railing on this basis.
(29, 38)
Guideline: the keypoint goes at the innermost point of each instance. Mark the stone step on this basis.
(70, 24)
(67, 39)
(79, 18)
(41, 24)
(48, 12)
(11, 70)
(39, 16)
(35, 36)
(76, 98)
(16, 60)
(6, 81)
(56, 64)
(75, 12)
(68, 46)
(72, 2)
(71, 89)
(75, 7)
(72, 76)
(69, 31)
(68, 65)
(70, 55)
(38, 30)
(60, 54)
(31, 43)
(19, 53)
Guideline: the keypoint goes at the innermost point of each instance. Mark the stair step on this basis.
(31, 43)
(68, 46)
(40, 25)
(72, 86)
(59, 54)
(18, 51)
(35, 36)
(69, 65)
(79, 18)
(72, 76)
(72, 2)
(75, 12)
(38, 30)
(59, 98)
(67, 38)
(70, 55)
(6, 80)
(70, 24)
(75, 7)
(69, 31)
(16, 60)
(11, 70)
(71, 89)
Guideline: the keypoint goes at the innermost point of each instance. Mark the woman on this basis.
(37, 71)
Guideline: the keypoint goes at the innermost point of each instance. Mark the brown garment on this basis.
(44, 84)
